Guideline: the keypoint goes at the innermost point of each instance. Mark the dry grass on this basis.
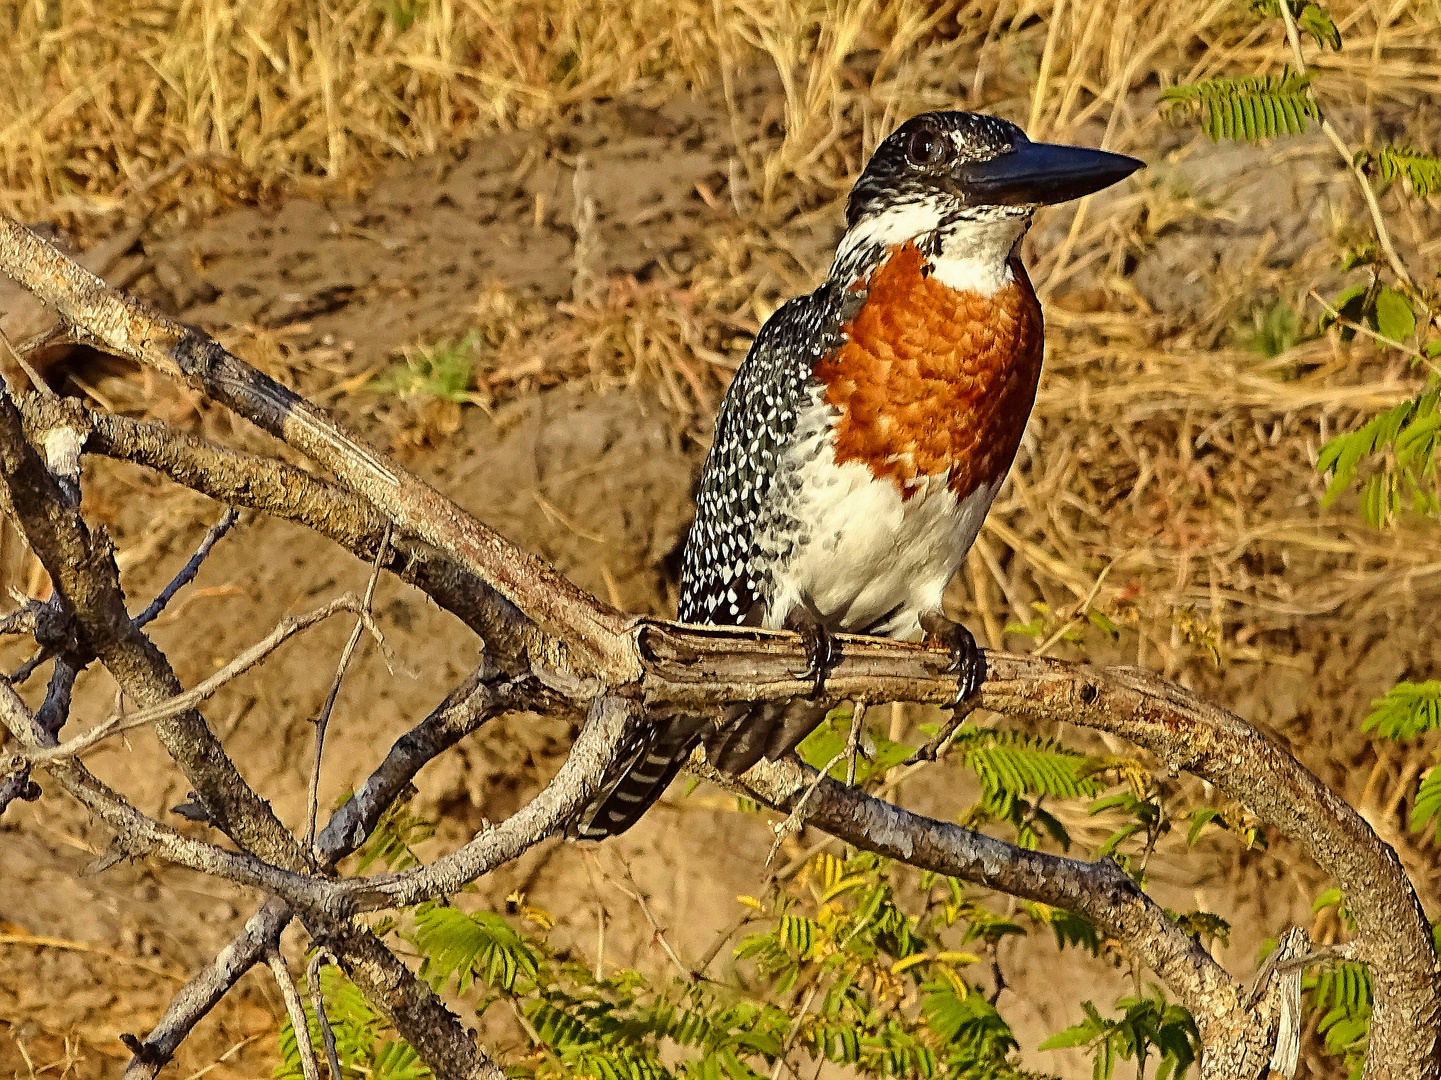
(1164, 453)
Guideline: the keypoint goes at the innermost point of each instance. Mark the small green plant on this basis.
(445, 371)
(1257, 107)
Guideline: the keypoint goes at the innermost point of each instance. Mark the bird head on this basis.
(969, 179)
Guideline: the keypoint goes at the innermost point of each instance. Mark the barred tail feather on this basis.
(752, 732)
(640, 776)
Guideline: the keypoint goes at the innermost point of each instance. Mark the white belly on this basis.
(867, 559)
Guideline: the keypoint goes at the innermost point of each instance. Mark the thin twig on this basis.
(943, 738)
(118, 722)
(793, 821)
(293, 1007)
(795, 1030)
(685, 973)
(1363, 329)
(191, 568)
(853, 740)
(25, 670)
(317, 1003)
(323, 720)
(1348, 155)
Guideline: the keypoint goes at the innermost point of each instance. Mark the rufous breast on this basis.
(933, 379)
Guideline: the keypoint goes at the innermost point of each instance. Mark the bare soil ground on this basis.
(589, 460)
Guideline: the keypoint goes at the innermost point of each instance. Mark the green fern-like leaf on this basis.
(1406, 710)
(466, 946)
(1422, 170)
(1312, 18)
(1408, 428)
(1428, 802)
(359, 1037)
(1254, 107)
(1010, 763)
(1342, 995)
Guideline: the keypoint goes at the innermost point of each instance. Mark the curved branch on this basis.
(1100, 891)
(281, 490)
(578, 628)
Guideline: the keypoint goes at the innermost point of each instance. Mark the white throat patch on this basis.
(972, 252)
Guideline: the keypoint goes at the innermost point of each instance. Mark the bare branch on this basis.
(205, 989)
(481, 697)
(317, 1005)
(277, 488)
(579, 628)
(405, 1001)
(309, 1068)
(82, 567)
(610, 721)
(119, 722)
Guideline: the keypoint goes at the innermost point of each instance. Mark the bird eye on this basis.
(926, 147)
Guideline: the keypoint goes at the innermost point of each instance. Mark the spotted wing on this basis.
(722, 580)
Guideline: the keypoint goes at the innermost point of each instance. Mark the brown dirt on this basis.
(594, 473)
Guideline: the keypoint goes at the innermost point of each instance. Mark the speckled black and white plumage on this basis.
(724, 570)
(741, 531)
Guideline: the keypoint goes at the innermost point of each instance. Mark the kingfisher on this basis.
(862, 441)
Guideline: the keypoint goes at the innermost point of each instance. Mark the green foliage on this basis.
(1146, 1024)
(392, 839)
(1011, 766)
(1428, 802)
(1312, 18)
(1069, 928)
(828, 742)
(1145, 819)
(1276, 329)
(1253, 835)
(1204, 926)
(481, 945)
(1422, 170)
(403, 12)
(445, 370)
(1342, 995)
(1409, 433)
(1405, 711)
(361, 1037)
(1250, 107)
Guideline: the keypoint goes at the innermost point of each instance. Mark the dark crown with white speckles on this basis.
(892, 177)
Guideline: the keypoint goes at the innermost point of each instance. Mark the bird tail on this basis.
(643, 770)
(645, 767)
(769, 730)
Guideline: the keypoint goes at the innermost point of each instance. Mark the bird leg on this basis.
(822, 650)
(967, 659)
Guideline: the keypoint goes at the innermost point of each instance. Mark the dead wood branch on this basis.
(483, 696)
(82, 566)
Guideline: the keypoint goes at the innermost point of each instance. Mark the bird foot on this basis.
(822, 654)
(967, 659)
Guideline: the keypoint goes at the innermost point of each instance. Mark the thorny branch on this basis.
(554, 642)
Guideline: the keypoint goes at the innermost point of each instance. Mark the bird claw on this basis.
(822, 653)
(967, 659)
